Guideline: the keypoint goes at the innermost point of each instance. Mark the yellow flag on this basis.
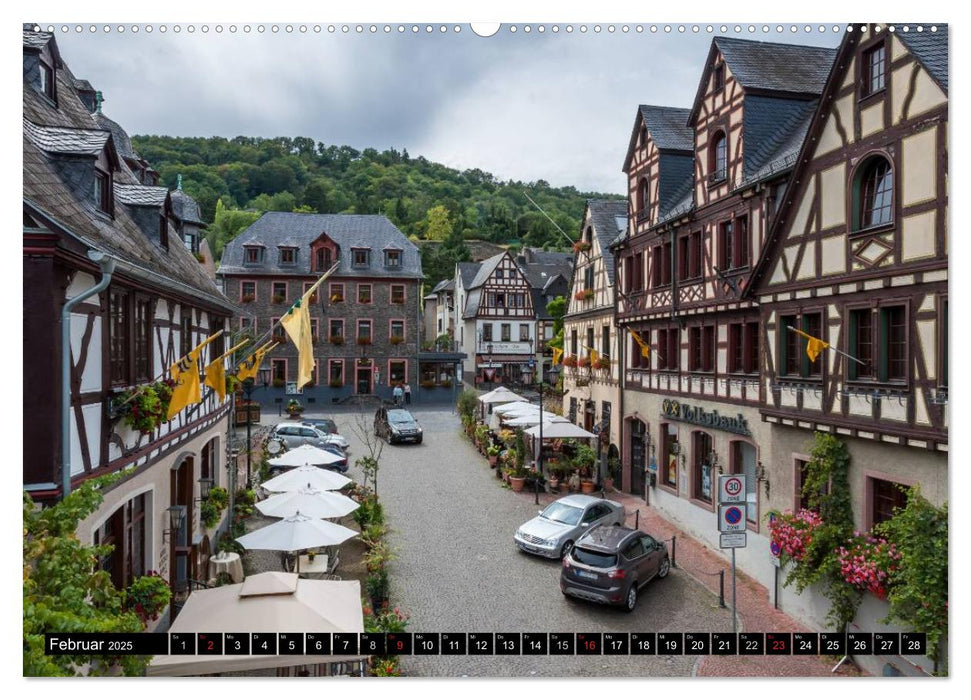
(645, 348)
(557, 355)
(216, 371)
(296, 323)
(251, 365)
(594, 356)
(814, 346)
(185, 374)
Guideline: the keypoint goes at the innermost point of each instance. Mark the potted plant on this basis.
(584, 295)
(613, 471)
(247, 298)
(601, 363)
(481, 437)
(493, 451)
(396, 340)
(311, 555)
(517, 478)
(279, 383)
(337, 340)
(570, 361)
(213, 506)
(148, 596)
(363, 340)
(294, 409)
(336, 383)
(583, 459)
(581, 247)
(278, 299)
(145, 407)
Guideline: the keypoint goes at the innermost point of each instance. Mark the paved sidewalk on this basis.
(755, 612)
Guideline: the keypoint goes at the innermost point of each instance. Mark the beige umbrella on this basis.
(535, 419)
(309, 501)
(560, 430)
(272, 602)
(305, 454)
(301, 477)
(296, 532)
(516, 406)
(500, 395)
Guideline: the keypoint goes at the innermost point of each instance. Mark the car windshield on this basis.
(591, 558)
(400, 417)
(562, 513)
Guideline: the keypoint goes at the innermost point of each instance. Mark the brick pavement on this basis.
(755, 612)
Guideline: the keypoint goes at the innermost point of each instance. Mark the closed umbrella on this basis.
(309, 501)
(301, 477)
(305, 454)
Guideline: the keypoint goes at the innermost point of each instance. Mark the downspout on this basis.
(107, 265)
(621, 352)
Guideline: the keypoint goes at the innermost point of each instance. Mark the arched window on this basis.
(642, 197)
(718, 157)
(873, 193)
(643, 136)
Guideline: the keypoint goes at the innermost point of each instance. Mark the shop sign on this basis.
(697, 415)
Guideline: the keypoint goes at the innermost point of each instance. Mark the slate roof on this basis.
(604, 213)
(120, 137)
(70, 128)
(486, 268)
(930, 48)
(472, 303)
(668, 127)
(346, 230)
(467, 272)
(444, 286)
(65, 140)
(36, 40)
(538, 274)
(141, 195)
(778, 67)
(774, 131)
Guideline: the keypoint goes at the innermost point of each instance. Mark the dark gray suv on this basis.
(609, 564)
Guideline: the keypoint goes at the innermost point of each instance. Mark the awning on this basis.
(503, 359)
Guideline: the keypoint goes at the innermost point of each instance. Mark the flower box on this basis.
(396, 340)
(363, 341)
(868, 563)
(247, 298)
(601, 363)
(279, 299)
(337, 340)
(584, 295)
(570, 361)
(581, 247)
(583, 362)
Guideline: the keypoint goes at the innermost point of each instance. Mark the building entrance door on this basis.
(637, 434)
(364, 380)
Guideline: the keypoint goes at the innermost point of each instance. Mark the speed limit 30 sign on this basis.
(731, 488)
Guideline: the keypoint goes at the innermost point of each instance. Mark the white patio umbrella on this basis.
(301, 477)
(520, 412)
(560, 430)
(536, 419)
(515, 406)
(500, 395)
(309, 501)
(296, 532)
(305, 454)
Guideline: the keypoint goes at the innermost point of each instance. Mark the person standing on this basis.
(407, 393)
(397, 393)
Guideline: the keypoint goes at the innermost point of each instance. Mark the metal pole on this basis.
(249, 426)
(734, 609)
(674, 551)
(721, 588)
(637, 519)
(539, 459)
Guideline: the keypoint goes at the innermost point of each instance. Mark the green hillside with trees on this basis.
(234, 180)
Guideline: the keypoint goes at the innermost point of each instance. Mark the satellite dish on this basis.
(274, 446)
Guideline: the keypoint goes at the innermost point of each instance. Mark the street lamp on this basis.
(491, 372)
(248, 383)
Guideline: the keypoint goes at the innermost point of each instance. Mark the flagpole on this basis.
(139, 389)
(828, 346)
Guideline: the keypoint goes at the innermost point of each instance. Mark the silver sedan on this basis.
(553, 532)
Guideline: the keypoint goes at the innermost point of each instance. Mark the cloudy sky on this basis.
(553, 106)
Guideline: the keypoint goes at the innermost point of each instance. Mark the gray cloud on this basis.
(523, 106)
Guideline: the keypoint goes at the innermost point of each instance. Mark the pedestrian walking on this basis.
(408, 393)
(397, 393)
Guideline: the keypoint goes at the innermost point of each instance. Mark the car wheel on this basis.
(418, 442)
(665, 568)
(630, 601)
(567, 546)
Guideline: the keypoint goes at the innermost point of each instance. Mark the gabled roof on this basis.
(775, 129)
(65, 140)
(668, 127)
(185, 208)
(444, 286)
(930, 48)
(467, 272)
(141, 195)
(486, 268)
(768, 67)
(120, 136)
(609, 218)
(346, 230)
(36, 41)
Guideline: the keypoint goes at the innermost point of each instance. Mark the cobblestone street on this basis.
(457, 568)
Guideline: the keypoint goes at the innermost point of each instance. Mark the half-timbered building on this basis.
(83, 203)
(704, 183)
(592, 389)
(857, 257)
(364, 317)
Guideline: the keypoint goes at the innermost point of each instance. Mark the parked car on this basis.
(609, 564)
(553, 532)
(329, 428)
(397, 425)
(293, 435)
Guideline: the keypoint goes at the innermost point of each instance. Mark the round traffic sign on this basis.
(733, 486)
(733, 515)
(775, 548)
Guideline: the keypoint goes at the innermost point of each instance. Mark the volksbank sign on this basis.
(699, 416)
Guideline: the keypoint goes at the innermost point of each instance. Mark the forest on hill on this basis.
(235, 180)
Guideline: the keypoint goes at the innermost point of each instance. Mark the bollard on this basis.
(637, 519)
(674, 551)
(721, 588)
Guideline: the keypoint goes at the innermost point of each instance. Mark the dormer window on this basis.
(102, 191)
(252, 255)
(323, 259)
(288, 256)
(392, 258)
(361, 257)
(47, 80)
(718, 78)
